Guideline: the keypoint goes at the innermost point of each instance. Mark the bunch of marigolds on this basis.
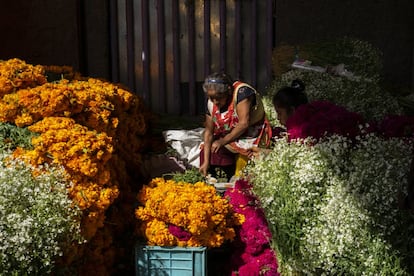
(199, 216)
(78, 125)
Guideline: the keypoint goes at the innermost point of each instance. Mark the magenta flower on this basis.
(322, 118)
(250, 269)
(396, 126)
(179, 233)
(252, 254)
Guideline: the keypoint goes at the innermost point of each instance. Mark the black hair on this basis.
(291, 96)
(220, 82)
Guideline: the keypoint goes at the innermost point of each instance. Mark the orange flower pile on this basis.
(90, 127)
(195, 208)
(16, 74)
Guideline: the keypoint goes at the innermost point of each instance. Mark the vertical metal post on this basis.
(253, 40)
(82, 41)
(161, 55)
(176, 54)
(222, 11)
(130, 44)
(145, 55)
(113, 29)
(191, 57)
(269, 40)
(237, 40)
(207, 39)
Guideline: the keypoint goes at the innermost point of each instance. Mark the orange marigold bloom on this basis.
(188, 206)
(16, 74)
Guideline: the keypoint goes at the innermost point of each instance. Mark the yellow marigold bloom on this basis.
(16, 74)
(188, 206)
(157, 233)
(9, 108)
(23, 120)
(74, 146)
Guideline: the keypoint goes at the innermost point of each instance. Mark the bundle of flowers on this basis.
(16, 74)
(321, 118)
(358, 56)
(332, 204)
(363, 97)
(38, 221)
(362, 94)
(95, 131)
(396, 126)
(185, 214)
(252, 253)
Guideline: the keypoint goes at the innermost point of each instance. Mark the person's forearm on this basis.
(208, 140)
(235, 133)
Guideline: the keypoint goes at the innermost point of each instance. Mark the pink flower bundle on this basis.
(396, 126)
(322, 118)
(179, 232)
(252, 252)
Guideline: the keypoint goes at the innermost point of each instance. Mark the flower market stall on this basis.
(84, 139)
(323, 201)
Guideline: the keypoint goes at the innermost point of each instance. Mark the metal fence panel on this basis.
(162, 50)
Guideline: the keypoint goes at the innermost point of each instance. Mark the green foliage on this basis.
(12, 137)
(191, 175)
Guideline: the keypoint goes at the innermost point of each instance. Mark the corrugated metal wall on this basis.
(162, 50)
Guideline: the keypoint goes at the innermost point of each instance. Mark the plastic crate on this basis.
(170, 261)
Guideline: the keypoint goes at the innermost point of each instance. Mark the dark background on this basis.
(76, 33)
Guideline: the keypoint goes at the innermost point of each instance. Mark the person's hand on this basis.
(204, 168)
(254, 152)
(217, 144)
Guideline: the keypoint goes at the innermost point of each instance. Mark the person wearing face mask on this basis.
(235, 121)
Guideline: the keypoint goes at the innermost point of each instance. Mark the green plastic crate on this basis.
(170, 261)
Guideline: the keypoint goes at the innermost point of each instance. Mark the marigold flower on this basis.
(196, 209)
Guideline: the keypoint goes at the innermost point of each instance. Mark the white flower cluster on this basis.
(361, 57)
(37, 219)
(332, 206)
(362, 93)
(363, 97)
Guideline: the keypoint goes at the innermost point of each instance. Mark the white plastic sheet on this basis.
(186, 143)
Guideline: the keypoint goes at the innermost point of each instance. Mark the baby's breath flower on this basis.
(332, 206)
(37, 219)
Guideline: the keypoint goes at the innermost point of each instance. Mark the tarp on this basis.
(186, 143)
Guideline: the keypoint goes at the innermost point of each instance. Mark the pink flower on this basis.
(242, 184)
(321, 118)
(264, 264)
(396, 126)
(179, 233)
(268, 262)
(252, 254)
(250, 269)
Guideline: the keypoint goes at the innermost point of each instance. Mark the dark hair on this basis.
(220, 82)
(291, 96)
